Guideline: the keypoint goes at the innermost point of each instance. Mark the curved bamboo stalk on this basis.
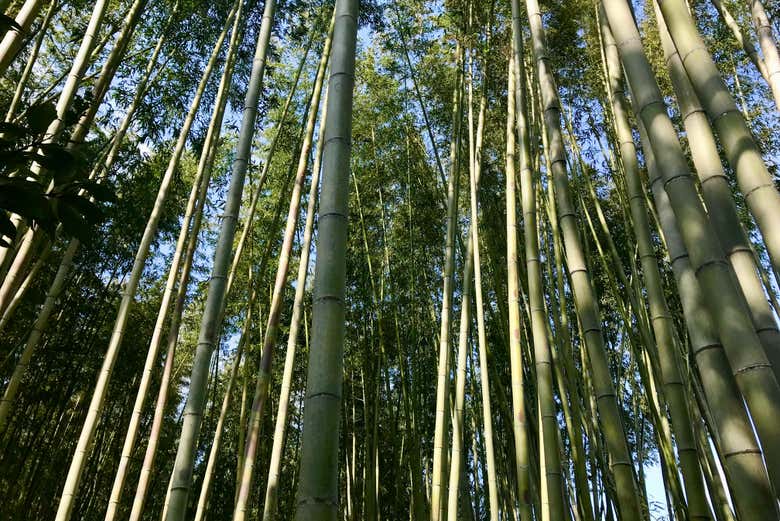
(457, 454)
(487, 415)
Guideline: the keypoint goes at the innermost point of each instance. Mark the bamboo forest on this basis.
(390, 260)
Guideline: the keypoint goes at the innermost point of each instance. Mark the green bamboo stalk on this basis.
(438, 504)
(716, 192)
(209, 330)
(487, 415)
(12, 40)
(147, 464)
(718, 494)
(751, 490)
(642, 348)
(586, 303)
(272, 327)
(199, 185)
(255, 199)
(208, 474)
(768, 44)
(723, 297)
(552, 485)
(456, 447)
(517, 104)
(107, 73)
(128, 296)
(271, 491)
(745, 43)
(564, 371)
(741, 149)
(318, 491)
(21, 291)
(22, 84)
(674, 387)
(36, 333)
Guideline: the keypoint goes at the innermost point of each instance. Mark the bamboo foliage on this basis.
(66, 263)
(30, 239)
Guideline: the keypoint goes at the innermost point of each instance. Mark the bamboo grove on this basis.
(390, 259)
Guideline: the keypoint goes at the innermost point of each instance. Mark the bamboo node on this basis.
(710, 177)
(759, 187)
(728, 454)
(706, 347)
(610, 395)
(317, 500)
(753, 367)
(324, 394)
(709, 263)
(333, 214)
